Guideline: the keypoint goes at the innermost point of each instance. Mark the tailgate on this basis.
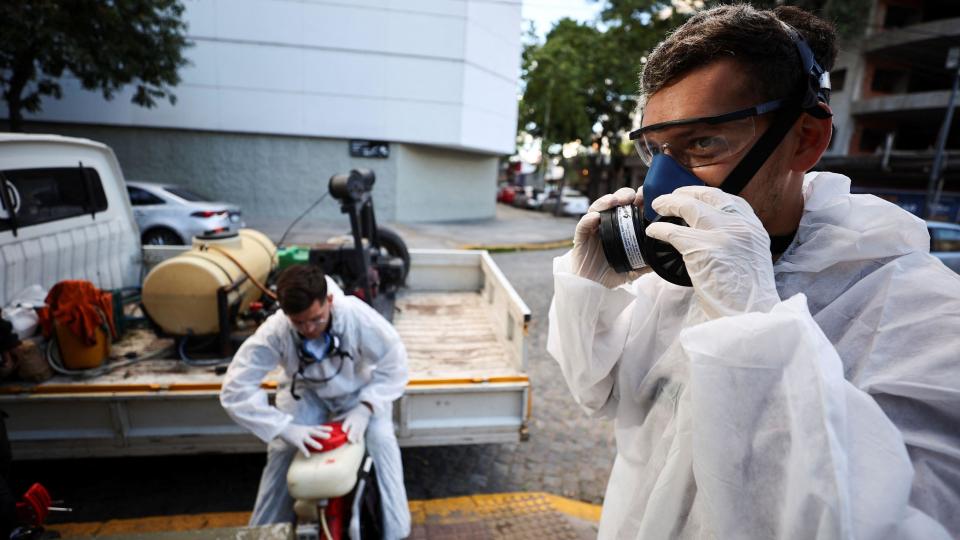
(465, 331)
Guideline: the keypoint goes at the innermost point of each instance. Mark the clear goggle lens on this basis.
(697, 144)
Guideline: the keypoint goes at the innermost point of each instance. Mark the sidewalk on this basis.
(511, 229)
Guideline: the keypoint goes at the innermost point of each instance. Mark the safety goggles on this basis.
(697, 142)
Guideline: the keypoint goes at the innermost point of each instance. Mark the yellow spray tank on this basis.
(180, 294)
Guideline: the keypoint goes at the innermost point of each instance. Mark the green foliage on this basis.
(105, 44)
(585, 75)
(560, 79)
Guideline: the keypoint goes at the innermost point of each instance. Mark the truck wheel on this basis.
(161, 237)
(395, 247)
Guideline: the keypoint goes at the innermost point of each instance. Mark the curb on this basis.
(520, 246)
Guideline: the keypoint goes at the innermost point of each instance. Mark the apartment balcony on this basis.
(919, 106)
(926, 40)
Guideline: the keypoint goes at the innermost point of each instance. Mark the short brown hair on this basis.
(299, 286)
(753, 37)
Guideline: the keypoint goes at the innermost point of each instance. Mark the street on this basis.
(567, 454)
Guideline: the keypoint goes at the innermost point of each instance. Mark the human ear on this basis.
(813, 137)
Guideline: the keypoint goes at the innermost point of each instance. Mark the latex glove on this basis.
(303, 437)
(726, 249)
(355, 422)
(587, 255)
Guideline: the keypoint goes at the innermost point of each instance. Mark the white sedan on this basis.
(574, 203)
(168, 214)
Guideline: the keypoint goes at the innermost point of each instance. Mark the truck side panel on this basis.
(483, 398)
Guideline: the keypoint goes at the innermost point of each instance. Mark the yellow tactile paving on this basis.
(184, 522)
(435, 514)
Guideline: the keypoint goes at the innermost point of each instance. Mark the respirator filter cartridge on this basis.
(621, 230)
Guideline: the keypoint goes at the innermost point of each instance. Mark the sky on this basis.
(546, 12)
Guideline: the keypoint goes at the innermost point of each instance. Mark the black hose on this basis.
(301, 216)
(208, 362)
(56, 362)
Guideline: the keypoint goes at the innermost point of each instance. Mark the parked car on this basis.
(574, 202)
(945, 243)
(535, 199)
(506, 194)
(520, 198)
(168, 214)
(529, 197)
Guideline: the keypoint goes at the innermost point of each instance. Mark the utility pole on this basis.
(935, 185)
(541, 180)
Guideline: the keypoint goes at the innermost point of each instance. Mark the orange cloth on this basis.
(78, 305)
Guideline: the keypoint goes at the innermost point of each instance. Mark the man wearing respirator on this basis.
(791, 366)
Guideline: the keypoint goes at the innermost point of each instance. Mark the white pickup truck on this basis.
(65, 214)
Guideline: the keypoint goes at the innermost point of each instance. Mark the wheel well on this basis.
(158, 228)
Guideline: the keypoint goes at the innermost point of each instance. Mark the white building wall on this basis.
(435, 72)
(435, 184)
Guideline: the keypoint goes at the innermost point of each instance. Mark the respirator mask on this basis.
(671, 149)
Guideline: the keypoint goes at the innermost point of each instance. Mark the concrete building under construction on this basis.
(891, 91)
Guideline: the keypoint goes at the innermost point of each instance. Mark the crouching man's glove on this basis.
(303, 438)
(356, 421)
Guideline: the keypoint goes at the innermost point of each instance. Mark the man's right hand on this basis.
(303, 438)
(588, 259)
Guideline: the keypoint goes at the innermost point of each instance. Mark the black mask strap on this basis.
(741, 175)
(780, 243)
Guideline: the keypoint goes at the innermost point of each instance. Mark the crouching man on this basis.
(341, 361)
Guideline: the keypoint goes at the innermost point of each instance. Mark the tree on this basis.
(105, 44)
(558, 81)
(581, 82)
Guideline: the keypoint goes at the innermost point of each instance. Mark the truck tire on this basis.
(393, 245)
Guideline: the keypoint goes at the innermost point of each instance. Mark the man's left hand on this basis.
(725, 248)
(356, 421)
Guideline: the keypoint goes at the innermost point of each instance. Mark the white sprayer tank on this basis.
(180, 294)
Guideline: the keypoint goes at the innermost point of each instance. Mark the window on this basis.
(142, 197)
(837, 78)
(900, 16)
(889, 81)
(186, 194)
(871, 139)
(944, 239)
(44, 195)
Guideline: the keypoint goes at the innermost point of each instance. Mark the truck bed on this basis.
(462, 323)
(449, 335)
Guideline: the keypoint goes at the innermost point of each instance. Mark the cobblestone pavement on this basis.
(568, 454)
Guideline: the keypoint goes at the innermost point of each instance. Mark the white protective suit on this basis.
(374, 372)
(834, 415)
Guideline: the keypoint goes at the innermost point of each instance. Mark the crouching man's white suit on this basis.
(835, 413)
(374, 371)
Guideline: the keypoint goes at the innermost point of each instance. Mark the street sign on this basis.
(953, 57)
(369, 149)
